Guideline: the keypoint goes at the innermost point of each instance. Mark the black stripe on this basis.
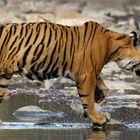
(55, 72)
(38, 66)
(60, 39)
(21, 32)
(36, 49)
(39, 54)
(10, 33)
(102, 28)
(78, 37)
(85, 106)
(85, 32)
(64, 68)
(30, 75)
(35, 40)
(50, 37)
(15, 28)
(72, 42)
(26, 55)
(3, 86)
(112, 54)
(64, 54)
(11, 53)
(1, 30)
(120, 37)
(34, 68)
(75, 31)
(105, 31)
(3, 43)
(29, 37)
(52, 54)
(72, 57)
(53, 66)
(19, 46)
(44, 61)
(13, 43)
(38, 33)
(80, 95)
(38, 27)
(95, 28)
(33, 60)
(90, 35)
(51, 58)
(65, 49)
(45, 28)
(26, 29)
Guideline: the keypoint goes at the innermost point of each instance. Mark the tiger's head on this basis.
(127, 50)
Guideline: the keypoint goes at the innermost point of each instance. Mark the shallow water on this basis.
(70, 134)
(55, 113)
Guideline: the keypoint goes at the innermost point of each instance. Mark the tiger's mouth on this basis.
(136, 71)
(130, 65)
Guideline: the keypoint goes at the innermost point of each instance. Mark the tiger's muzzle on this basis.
(130, 65)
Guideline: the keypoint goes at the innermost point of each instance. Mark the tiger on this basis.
(44, 50)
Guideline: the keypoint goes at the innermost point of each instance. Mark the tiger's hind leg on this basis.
(86, 89)
(101, 91)
(4, 82)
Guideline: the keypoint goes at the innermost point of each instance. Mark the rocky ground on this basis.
(58, 101)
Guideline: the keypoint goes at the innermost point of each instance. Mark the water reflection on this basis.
(70, 134)
(97, 135)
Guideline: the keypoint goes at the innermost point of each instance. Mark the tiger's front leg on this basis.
(86, 89)
(101, 90)
(4, 82)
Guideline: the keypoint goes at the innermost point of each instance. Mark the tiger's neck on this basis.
(118, 42)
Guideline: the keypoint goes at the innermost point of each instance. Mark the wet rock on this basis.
(30, 108)
(114, 125)
(34, 114)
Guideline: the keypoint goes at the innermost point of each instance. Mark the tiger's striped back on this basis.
(44, 50)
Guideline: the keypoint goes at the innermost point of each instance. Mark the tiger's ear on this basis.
(135, 31)
(135, 39)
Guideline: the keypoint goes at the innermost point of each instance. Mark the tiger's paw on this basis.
(100, 119)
